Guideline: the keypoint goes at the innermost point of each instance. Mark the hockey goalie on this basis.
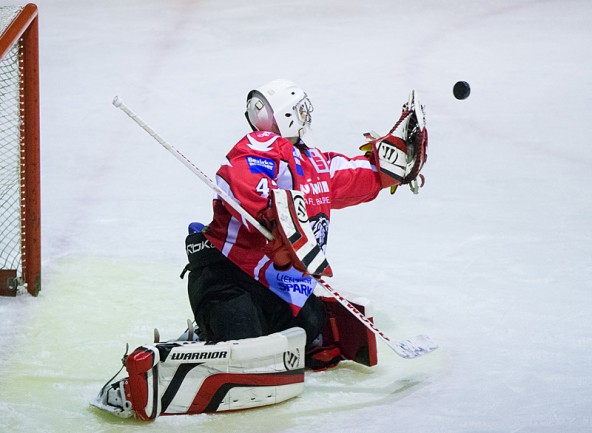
(259, 322)
(240, 284)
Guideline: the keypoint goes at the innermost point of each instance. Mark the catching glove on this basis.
(401, 154)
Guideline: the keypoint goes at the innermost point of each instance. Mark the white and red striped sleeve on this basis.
(353, 180)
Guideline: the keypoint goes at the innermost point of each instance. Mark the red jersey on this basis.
(263, 161)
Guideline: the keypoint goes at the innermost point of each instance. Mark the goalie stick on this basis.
(408, 349)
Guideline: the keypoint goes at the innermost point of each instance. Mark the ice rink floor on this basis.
(493, 259)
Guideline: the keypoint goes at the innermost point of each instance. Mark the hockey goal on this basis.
(20, 240)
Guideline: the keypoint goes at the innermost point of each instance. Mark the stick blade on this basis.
(414, 347)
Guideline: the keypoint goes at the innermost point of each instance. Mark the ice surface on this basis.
(493, 259)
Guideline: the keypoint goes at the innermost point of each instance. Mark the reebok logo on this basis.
(195, 248)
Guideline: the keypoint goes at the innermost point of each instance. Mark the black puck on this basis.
(461, 90)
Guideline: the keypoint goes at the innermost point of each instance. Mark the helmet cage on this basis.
(303, 110)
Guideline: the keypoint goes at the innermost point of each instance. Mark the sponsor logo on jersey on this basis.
(264, 166)
(291, 285)
(315, 187)
(192, 356)
(295, 285)
(318, 161)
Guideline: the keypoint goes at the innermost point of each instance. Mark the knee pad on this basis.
(231, 319)
(311, 318)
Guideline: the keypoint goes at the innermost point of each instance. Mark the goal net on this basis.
(19, 151)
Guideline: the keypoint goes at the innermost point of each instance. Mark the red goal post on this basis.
(20, 219)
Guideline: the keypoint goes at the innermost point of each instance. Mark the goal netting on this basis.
(19, 154)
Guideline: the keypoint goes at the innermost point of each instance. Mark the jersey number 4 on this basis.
(263, 187)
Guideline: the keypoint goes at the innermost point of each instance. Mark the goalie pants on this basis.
(229, 304)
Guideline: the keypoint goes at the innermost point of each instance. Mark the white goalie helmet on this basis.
(280, 106)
